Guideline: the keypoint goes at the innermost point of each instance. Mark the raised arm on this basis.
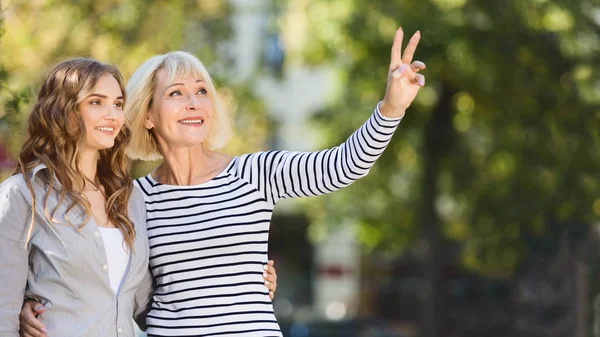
(282, 174)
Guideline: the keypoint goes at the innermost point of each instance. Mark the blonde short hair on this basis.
(140, 90)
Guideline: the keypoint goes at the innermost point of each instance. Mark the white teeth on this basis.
(104, 128)
(191, 121)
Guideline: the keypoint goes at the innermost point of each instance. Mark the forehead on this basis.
(107, 85)
(168, 74)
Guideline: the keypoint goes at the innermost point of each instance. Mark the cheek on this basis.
(169, 114)
(89, 125)
(208, 107)
(164, 113)
(84, 116)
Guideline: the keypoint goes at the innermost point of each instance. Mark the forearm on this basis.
(316, 173)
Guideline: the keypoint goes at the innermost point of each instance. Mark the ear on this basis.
(148, 123)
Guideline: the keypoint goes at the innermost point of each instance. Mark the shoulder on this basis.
(259, 157)
(263, 160)
(137, 197)
(15, 196)
(38, 178)
(137, 207)
(14, 185)
(220, 161)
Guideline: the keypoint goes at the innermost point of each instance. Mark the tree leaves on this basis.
(523, 114)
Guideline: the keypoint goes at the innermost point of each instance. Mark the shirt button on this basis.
(97, 234)
(105, 267)
(119, 331)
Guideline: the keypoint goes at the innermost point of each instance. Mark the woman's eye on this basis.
(119, 104)
(202, 91)
(95, 102)
(175, 93)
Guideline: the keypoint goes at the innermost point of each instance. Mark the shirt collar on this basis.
(41, 167)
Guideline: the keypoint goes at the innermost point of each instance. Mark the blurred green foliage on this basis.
(38, 34)
(501, 144)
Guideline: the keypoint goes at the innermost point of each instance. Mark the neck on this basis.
(187, 165)
(88, 166)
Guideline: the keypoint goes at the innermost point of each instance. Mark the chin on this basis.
(105, 146)
(195, 140)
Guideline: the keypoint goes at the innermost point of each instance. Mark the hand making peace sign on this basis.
(404, 81)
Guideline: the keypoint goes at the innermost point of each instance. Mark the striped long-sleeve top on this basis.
(209, 242)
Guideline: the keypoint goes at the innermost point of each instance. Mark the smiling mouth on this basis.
(105, 129)
(198, 121)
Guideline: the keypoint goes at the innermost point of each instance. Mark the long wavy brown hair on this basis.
(55, 133)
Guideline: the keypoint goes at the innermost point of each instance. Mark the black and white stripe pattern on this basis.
(209, 242)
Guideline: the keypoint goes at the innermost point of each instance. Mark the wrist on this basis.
(391, 112)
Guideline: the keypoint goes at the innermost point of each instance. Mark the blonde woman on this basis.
(72, 225)
(199, 197)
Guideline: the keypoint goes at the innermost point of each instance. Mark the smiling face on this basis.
(102, 114)
(181, 111)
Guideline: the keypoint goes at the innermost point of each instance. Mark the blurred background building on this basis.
(480, 217)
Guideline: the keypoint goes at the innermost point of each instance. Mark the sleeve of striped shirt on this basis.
(283, 174)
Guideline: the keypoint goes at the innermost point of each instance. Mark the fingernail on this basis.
(267, 283)
(265, 274)
(402, 68)
(39, 307)
(418, 32)
(421, 81)
(43, 330)
(420, 64)
(265, 267)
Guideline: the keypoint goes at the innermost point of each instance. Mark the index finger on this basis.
(395, 60)
(411, 47)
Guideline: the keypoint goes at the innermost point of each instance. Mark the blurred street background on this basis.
(480, 219)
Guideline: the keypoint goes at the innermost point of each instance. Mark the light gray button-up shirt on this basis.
(66, 267)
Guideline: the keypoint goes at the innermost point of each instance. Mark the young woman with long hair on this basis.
(72, 226)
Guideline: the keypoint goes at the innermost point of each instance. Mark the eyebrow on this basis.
(103, 96)
(178, 83)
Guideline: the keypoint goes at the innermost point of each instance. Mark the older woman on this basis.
(208, 214)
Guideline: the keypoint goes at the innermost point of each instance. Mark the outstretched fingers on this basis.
(409, 52)
(396, 57)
